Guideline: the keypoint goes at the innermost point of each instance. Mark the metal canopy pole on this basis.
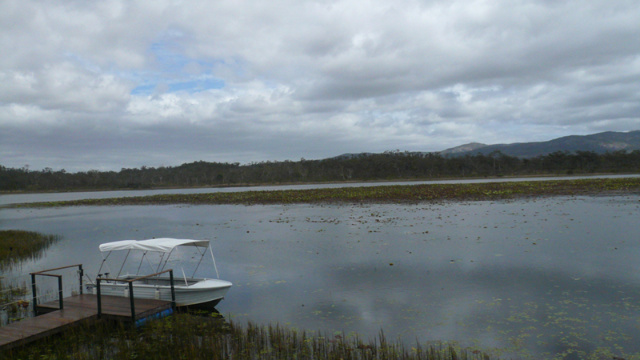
(167, 259)
(104, 259)
(125, 260)
(160, 263)
(197, 266)
(141, 260)
(214, 262)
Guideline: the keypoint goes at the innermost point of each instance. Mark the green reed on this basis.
(19, 245)
(186, 336)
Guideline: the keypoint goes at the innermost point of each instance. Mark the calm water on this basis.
(533, 278)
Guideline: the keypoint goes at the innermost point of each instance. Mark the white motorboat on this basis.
(189, 291)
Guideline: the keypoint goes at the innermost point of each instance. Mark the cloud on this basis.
(289, 79)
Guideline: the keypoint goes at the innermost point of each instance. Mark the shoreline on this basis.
(375, 194)
(250, 185)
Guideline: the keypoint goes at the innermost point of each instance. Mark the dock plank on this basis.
(77, 309)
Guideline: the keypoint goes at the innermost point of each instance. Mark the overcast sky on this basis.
(110, 84)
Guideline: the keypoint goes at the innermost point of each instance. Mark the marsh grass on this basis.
(13, 304)
(379, 194)
(17, 246)
(185, 336)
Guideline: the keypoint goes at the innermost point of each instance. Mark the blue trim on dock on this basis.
(160, 315)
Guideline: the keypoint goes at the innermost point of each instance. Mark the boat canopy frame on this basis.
(161, 245)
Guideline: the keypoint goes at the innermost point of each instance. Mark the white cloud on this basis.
(250, 81)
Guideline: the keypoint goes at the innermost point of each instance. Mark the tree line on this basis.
(390, 165)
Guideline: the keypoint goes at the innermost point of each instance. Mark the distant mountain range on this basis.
(599, 143)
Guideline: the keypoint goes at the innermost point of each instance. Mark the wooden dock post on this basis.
(133, 305)
(33, 292)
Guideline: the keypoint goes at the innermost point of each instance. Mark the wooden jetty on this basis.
(64, 313)
(79, 309)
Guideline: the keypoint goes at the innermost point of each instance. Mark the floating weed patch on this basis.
(186, 336)
(379, 194)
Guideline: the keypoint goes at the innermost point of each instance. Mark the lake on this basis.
(528, 278)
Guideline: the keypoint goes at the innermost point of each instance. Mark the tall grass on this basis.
(20, 245)
(185, 336)
(17, 246)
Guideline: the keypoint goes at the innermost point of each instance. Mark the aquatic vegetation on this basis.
(13, 304)
(187, 336)
(19, 245)
(16, 246)
(379, 194)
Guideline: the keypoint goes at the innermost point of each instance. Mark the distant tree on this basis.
(385, 166)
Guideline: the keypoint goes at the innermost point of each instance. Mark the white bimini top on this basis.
(164, 245)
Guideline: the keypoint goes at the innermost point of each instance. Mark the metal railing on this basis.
(60, 294)
(131, 297)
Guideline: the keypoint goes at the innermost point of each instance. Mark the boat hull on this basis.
(202, 292)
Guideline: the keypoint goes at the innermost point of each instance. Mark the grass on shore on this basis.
(186, 336)
(378, 194)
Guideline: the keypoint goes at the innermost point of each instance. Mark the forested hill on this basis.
(365, 167)
(599, 143)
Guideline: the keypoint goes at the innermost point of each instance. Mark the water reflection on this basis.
(530, 277)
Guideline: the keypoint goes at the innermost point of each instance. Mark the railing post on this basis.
(60, 289)
(133, 307)
(60, 292)
(35, 297)
(81, 275)
(99, 298)
(173, 291)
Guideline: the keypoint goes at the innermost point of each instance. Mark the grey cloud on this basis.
(307, 79)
